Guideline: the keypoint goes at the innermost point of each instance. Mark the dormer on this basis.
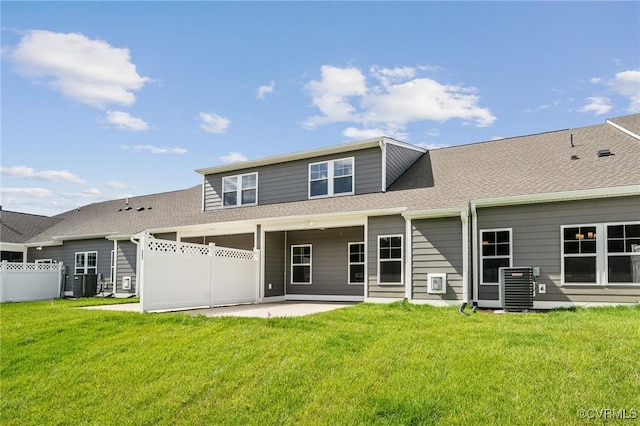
(342, 170)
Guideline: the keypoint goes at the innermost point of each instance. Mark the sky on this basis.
(105, 100)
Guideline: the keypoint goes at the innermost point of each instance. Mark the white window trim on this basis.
(239, 202)
(482, 257)
(330, 178)
(85, 253)
(392, 260)
(310, 264)
(601, 254)
(349, 262)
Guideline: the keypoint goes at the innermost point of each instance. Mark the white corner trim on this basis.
(623, 129)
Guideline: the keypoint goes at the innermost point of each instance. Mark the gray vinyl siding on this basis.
(274, 267)
(383, 225)
(288, 182)
(399, 159)
(67, 253)
(437, 247)
(126, 265)
(537, 242)
(329, 261)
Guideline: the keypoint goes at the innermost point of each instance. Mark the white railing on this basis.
(15, 266)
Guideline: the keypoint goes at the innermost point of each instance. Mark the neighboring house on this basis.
(16, 229)
(380, 220)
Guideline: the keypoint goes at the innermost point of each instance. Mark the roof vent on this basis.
(575, 157)
(128, 208)
(139, 209)
(604, 153)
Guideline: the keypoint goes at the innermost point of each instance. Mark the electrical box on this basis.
(126, 283)
(437, 283)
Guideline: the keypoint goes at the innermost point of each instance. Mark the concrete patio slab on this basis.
(266, 310)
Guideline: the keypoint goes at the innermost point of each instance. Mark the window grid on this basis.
(331, 178)
(240, 190)
(496, 252)
(86, 262)
(390, 259)
(301, 260)
(356, 263)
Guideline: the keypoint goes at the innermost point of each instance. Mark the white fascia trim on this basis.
(44, 244)
(84, 237)
(560, 305)
(119, 237)
(383, 299)
(623, 129)
(437, 303)
(324, 298)
(13, 247)
(354, 218)
(583, 194)
(335, 149)
(389, 141)
(434, 214)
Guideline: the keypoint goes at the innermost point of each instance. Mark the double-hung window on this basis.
(301, 264)
(390, 259)
(330, 178)
(496, 253)
(601, 254)
(86, 262)
(240, 190)
(356, 263)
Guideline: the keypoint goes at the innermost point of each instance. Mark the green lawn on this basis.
(368, 364)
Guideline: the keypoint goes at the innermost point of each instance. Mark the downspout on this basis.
(409, 257)
(114, 279)
(139, 260)
(474, 254)
(464, 218)
(383, 149)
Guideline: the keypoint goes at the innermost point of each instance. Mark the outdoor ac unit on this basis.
(517, 286)
(437, 283)
(126, 283)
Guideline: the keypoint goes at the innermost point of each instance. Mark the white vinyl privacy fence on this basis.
(21, 282)
(177, 275)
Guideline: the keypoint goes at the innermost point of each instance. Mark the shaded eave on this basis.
(335, 149)
(59, 240)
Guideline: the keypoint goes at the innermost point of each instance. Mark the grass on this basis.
(368, 364)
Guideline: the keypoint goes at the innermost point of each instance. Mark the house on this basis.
(16, 229)
(381, 220)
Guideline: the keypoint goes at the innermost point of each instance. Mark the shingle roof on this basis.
(446, 178)
(18, 227)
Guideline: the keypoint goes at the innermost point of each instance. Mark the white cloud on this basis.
(115, 184)
(31, 192)
(390, 99)
(214, 123)
(88, 193)
(598, 105)
(353, 133)
(85, 70)
(433, 132)
(431, 146)
(331, 94)
(265, 90)
(595, 80)
(154, 149)
(627, 83)
(233, 157)
(48, 175)
(123, 120)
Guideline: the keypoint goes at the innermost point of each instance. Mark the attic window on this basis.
(604, 153)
